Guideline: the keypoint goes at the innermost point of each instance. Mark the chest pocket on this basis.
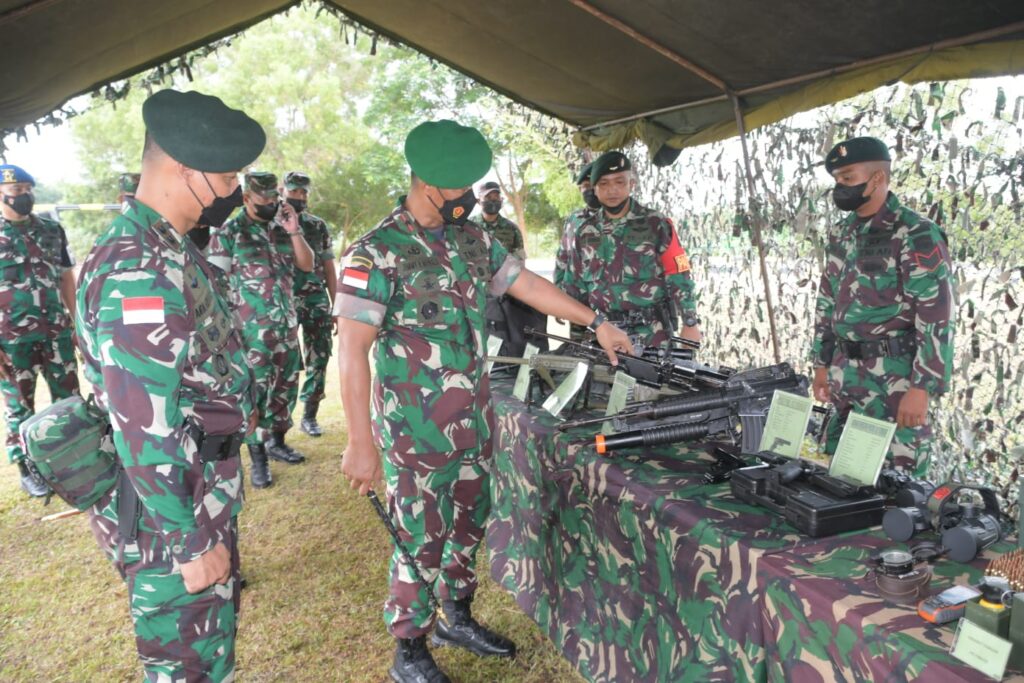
(639, 249)
(12, 261)
(213, 325)
(50, 244)
(875, 253)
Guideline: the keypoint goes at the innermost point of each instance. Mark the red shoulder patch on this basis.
(929, 261)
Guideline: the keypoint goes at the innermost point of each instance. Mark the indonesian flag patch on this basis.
(360, 279)
(142, 310)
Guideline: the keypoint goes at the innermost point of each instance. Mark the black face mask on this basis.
(200, 236)
(298, 204)
(265, 212)
(220, 209)
(21, 204)
(618, 207)
(590, 199)
(491, 206)
(456, 211)
(849, 197)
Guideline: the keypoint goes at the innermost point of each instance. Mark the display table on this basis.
(638, 571)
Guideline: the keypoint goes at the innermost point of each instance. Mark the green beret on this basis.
(129, 182)
(296, 180)
(856, 150)
(202, 132)
(609, 162)
(262, 183)
(447, 155)
(584, 173)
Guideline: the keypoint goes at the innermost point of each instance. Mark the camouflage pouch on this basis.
(70, 447)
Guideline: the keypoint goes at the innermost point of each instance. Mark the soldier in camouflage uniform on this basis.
(37, 294)
(168, 364)
(628, 262)
(415, 287)
(127, 184)
(314, 300)
(883, 336)
(259, 248)
(507, 317)
(567, 243)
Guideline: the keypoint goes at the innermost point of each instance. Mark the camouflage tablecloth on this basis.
(640, 572)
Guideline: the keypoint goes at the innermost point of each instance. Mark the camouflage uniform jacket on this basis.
(260, 264)
(887, 277)
(33, 258)
(506, 232)
(162, 351)
(427, 294)
(310, 288)
(566, 248)
(630, 263)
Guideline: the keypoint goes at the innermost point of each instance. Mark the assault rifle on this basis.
(737, 409)
(656, 373)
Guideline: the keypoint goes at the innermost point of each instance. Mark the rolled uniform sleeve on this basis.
(676, 264)
(142, 358)
(505, 268)
(364, 286)
(222, 248)
(928, 273)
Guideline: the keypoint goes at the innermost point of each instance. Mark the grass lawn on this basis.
(315, 556)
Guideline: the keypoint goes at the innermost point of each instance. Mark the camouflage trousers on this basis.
(440, 503)
(181, 637)
(54, 359)
(875, 387)
(317, 332)
(273, 353)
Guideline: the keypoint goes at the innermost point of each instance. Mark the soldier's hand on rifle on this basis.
(613, 341)
(5, 363)
(691, 333)
(913, 410)
(820, 386)
(213, 566)
(360, 464)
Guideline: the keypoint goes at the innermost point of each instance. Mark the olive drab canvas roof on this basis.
(658, 71)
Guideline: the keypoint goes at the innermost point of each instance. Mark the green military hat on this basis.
(446, 154)
(262, 183)
(609, 162)
(584, 173)
(856, 150)
(129, 182)
(202, 132)
(296, 180)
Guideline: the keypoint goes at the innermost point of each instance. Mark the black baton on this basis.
(390, 526)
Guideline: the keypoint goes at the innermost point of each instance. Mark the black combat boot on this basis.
(32, 483)
(279, 450)
(309, 424)
(260, 474)
(414, 664)
(462, 630)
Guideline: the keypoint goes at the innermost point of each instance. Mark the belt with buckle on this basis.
(890, 347)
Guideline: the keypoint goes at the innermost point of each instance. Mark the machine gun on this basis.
(656, 373)
(739, 409)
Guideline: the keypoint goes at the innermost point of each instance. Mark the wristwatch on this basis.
(690, 320)
(598, 320)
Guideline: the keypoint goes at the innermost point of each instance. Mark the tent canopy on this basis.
(660, 71)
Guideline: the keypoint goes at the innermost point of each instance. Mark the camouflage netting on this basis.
(964, 172)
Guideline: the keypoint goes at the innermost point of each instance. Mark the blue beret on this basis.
(9, 173)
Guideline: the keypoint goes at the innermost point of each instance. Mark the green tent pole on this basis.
(756, 224)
